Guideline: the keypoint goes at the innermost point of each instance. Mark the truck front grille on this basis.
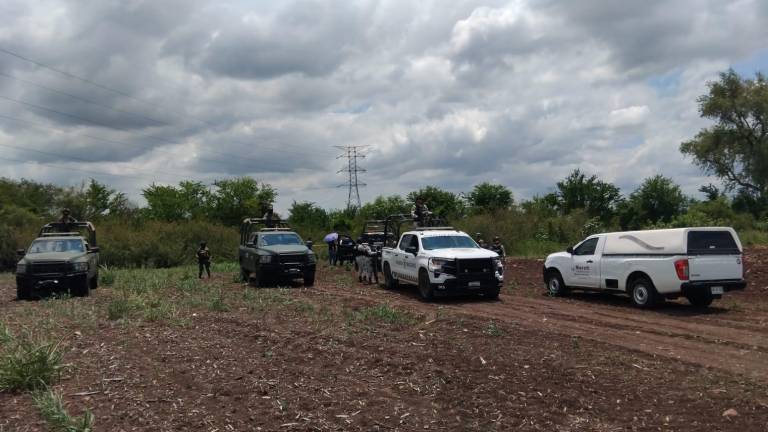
(293, 258)
(474, 266)
(50, 267)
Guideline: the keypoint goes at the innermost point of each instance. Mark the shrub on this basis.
(28, 363)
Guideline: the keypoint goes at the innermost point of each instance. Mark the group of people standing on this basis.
(495, 246)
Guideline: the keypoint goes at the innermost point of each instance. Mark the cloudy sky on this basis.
(451, 94)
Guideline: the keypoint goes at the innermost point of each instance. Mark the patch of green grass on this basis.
(217, 304)
(494, 330)
(121, 308)
(28, 362)
(51, 407)
(107, 276)
(381, 314)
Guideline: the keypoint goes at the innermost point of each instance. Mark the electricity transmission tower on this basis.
(352, 153)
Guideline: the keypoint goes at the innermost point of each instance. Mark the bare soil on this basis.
(321, 361)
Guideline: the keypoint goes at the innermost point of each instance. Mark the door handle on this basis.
(589, 261)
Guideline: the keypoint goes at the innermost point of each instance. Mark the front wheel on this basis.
(555, 285)
(309, 279)
(244, 276)
(425, 288)
(23, 292)
(81, 288)
(643, 293)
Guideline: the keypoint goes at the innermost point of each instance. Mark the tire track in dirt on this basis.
(720, 347)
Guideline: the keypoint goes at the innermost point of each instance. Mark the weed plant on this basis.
(27, 362)
(51, 407)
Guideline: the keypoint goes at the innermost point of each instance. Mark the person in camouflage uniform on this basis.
(66, 217)
(203, 260)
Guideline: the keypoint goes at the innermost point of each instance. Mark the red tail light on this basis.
(681, 267)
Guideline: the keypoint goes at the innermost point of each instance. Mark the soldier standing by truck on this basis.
(419, 213)
(203, 260)
(498, 247)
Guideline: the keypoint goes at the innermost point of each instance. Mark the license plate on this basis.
(474, 284)
(717, 290)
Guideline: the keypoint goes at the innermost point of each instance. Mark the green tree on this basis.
(441, 202)
(238, 198)
(577, 191)
(657, 200)
(487, 197)
(735, 148)
(384, 206)
(308, 215)
(164, 203)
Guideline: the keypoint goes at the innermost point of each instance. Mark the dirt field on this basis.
(346, 356)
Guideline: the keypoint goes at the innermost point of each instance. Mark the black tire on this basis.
(555, 284)
(257, 280)
(492, 294)
(425, 288)
(643, 293)
(701, 299)
(23, 292)
(244, 276)
(95, 282)
(81, 288)
(390, 282)
(309, 279)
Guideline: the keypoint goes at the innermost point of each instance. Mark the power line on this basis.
(113, 90)
(352, 153)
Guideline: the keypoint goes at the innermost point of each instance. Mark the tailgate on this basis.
(715, 267)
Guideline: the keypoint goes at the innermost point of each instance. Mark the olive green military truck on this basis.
(270, 252)
(63, 258)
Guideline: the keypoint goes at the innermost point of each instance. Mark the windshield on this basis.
(51, 245)
(280, 239)
(448, 242)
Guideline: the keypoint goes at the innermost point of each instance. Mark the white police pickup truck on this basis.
(442, 262)
(697, 263)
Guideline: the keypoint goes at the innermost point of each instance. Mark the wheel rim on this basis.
(640, 294)
(554, 286)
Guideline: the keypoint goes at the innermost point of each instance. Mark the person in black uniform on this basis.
(419, 213)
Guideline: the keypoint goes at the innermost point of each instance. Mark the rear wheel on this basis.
(425, 288)
(389, 281)
(701, 299)
(643, 292)
(555, 285)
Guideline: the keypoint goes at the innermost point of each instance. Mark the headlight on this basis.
(499, 264)
(80, 266)
(21, 268)
(436, 264)
(265, 259)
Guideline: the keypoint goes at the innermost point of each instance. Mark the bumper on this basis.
(458, 287)
(50, 283)
(288, 271)
(706, 286)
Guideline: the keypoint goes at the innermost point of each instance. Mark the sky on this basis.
(450, 94)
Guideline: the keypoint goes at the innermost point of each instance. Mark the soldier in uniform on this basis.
(269, 217)
(203, 260)
(498, 247)
(66, 217)
(419, 213)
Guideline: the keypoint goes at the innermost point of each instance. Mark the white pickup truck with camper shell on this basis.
(441, 262)
(700, 264)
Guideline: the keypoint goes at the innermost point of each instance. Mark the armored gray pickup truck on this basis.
(270, 252)
(63, 258)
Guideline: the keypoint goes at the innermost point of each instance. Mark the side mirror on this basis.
(570, 250)
(21, 252)
(94, 249)
(250, 245)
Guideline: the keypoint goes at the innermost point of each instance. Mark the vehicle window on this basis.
(405, 241)
(712, 242)
(280, 239)
(69, 245)
(414, 242)
(448, 241)
(587, 247)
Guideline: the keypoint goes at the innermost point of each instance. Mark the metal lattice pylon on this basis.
(352, 153)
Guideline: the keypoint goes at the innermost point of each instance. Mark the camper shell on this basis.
(700, 263)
